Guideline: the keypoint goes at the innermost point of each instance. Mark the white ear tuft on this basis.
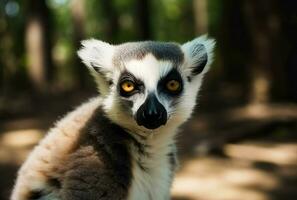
(198, 54)
(97, 56)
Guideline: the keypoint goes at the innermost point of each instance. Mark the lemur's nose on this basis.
(151, 113)
(152, 108)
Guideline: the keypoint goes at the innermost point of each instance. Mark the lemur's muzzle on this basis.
(151, 113)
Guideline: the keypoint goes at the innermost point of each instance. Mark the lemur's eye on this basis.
(127, 86)
(173, 85)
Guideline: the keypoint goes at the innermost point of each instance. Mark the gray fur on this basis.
(137, 50)
(40, 196)
(106, 173)
(199, 51)
(99, 166)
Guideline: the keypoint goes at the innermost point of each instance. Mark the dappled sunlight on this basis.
(264, 111)
(211, 179)
(238, 176)
(250, 178)
(16, 145)
(21, 138)
(212, 189)
(285, 154)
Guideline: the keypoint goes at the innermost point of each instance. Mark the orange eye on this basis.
(128, 86)
(172, 85)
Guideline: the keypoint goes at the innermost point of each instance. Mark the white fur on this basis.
(98, 54)
(150, 71)
(155, 182)
(209, 45)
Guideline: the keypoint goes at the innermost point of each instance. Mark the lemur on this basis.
(121, 144)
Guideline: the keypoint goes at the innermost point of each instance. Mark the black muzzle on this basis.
(151, 113)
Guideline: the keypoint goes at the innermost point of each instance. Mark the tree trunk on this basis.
(264, 27)
(143, 19)
(111, 15)
(200, 16)
(38, 44)
(229, 78)
(289, 28)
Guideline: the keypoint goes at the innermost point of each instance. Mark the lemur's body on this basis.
(117, 146)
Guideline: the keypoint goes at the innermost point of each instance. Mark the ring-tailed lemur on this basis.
(120, 145)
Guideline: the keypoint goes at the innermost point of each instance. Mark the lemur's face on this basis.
(148, 84)
(150, 90)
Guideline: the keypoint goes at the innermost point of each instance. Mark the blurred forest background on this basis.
(242, 142)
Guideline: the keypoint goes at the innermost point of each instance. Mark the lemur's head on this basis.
(148, 85)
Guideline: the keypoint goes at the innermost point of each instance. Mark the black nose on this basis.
(151, 113)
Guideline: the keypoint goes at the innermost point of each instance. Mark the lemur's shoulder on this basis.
(100, 166)
(47, 157)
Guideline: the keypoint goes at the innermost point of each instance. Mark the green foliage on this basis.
(173, 20)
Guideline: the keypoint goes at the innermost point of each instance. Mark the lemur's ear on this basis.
(198, 55)
(97, 56)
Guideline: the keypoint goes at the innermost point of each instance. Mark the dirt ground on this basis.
(253, 168)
